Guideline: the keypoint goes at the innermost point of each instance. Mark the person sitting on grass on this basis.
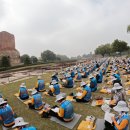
(68, 82)
(104, 70)
(86, 94)
(117, 95)
(66, 109)
(40, 85)
(117, 78)
(78, 76)
(121, 121)
(20, 124)
(72, 73)
(23, 93)
(36, 101)
(6, 114)
(93, 83)
(54, 77)
(98, 77)
(54, 88)
(84, 73)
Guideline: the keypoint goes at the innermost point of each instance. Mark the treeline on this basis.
(117, 47)
(46, 57)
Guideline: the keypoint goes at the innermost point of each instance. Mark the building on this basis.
(7, 48)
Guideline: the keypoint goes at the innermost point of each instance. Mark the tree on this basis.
(79, 57)
(119, 46)
(128, 28)
(62, 57)
(5, 61)
(108, 49)
(34, 59)
(25, 59)
(48, 56)
(103, 49)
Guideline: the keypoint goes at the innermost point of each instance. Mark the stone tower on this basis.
(7, 48)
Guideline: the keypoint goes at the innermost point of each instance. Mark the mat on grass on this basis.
(100, 124)
(69, 125)
(17, 95)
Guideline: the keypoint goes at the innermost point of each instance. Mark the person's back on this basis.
(41, 85)
(37, 101)
(23, 94)
(68, 109)
(55, 78)
(104, 70)
(88, 95)
(86, 74)
(70, 82)
(72, 74)
(99, 78)
(117, 76)
(101, 73)
(7, 115)
(93, 84)
(56, 89)
(79, 77)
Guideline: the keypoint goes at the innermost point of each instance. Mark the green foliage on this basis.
(48, 56)
(26, 59)
(34, 59)
(128, 28)
(5, 61)
(103, 49)
(62, 57)
(119, 46)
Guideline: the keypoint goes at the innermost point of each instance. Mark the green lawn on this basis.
(34, 119)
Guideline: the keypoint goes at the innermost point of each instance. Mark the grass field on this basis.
(20, 109)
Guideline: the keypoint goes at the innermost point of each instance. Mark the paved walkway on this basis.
(21, 75)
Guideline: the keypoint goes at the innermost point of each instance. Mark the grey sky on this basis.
(70, 27)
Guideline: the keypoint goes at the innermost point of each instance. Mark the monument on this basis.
(7, 48)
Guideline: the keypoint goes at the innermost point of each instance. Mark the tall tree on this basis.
(34, 59)
(25, 59)
(103, 49)
(119, 46)
(5, 61)
(108, 49)
(48, 56)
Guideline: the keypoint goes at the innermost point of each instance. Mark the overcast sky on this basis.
(70, 27)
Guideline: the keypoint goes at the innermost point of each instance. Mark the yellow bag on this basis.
(99, 102)
(86, 125)
(127, 83)
(112, 102)
(128, 92)
(103, 91)
(109, 83)
(70, 98)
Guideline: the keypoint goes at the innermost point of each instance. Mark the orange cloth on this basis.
(122, 125)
